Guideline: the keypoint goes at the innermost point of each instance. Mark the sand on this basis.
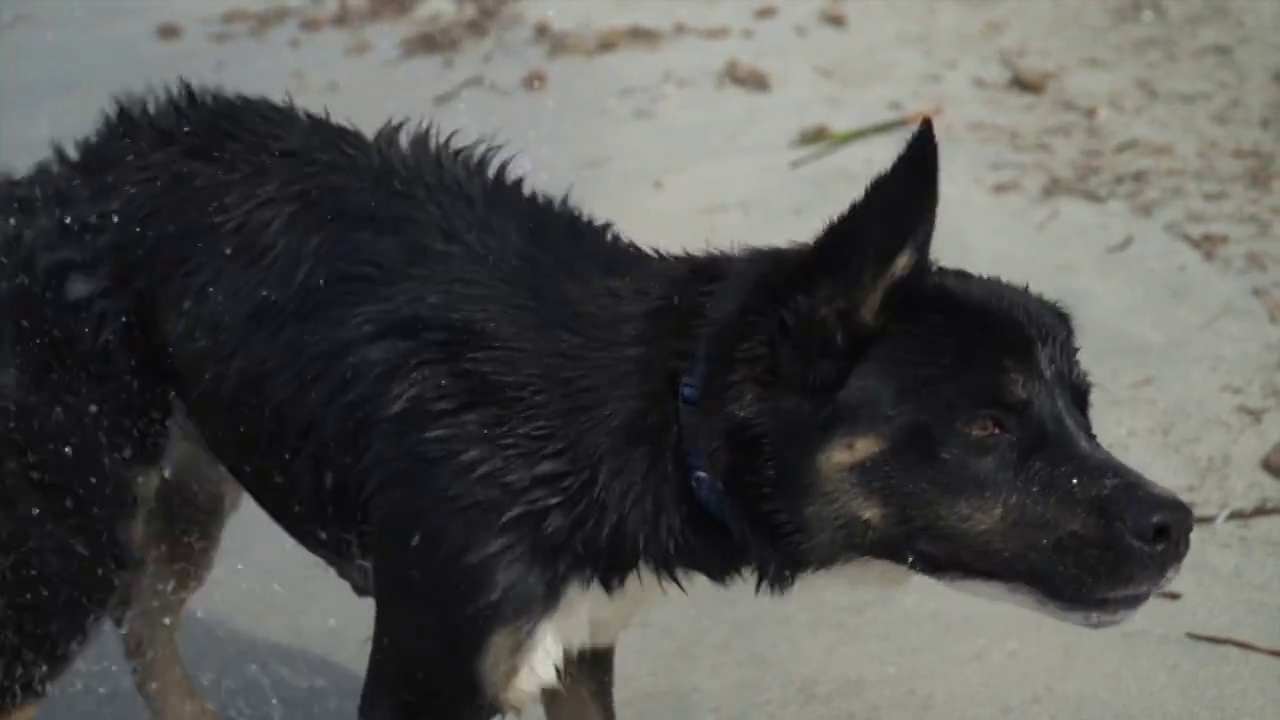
(1120, 156)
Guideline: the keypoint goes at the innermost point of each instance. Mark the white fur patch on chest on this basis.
(586, 617)
(589, 617)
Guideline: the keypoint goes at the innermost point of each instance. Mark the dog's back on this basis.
(294, 281)
(335, 310)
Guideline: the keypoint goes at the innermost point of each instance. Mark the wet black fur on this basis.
(66, 446)
(409, 358)
(65, 504)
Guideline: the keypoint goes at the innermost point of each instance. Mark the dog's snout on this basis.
(1158, 521)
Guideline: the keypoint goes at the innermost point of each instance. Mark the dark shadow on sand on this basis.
(246, 678)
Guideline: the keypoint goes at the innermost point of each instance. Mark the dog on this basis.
(505, 422)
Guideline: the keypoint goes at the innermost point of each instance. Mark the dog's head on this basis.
(940, 420)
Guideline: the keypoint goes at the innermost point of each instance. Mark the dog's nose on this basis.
(1159, 522)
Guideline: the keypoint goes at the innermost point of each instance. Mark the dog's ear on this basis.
(846, 280)
(883, 238)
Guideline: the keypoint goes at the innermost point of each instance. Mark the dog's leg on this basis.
(177, 539)
(26, 712)
(422, 667)
(445, 644)
(586, 689)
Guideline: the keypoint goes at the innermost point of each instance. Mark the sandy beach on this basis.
(1120, 156)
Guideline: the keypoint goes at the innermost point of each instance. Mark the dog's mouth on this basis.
(1092, 611)
(1099, 612)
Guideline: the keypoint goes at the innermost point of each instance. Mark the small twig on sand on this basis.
(474, 81)
(829, 140)
(1233, 642)
(1169, 595)
(1048, 218)
(1257, 511)
(1120, 246)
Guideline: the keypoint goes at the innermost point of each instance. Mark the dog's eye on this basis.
(986, 426)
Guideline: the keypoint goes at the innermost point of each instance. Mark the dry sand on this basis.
(1118, 155)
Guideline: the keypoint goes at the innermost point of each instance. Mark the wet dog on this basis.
(508, 424)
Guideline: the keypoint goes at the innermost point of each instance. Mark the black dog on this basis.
(523, 422)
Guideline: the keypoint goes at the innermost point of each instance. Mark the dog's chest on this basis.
(586, 617)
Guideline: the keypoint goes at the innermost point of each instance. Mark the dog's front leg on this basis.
(444, 644)
(422, 666)
(586, 689)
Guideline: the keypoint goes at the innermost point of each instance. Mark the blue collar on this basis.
(706, 488)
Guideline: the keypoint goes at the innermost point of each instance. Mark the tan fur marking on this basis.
(173, 569)
(845, 453)
(500, 664)
(176, 534)
(870, 310)
(1016, 386)
(26, 712)
(984, 518)
(865, 508)
(835, 463)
